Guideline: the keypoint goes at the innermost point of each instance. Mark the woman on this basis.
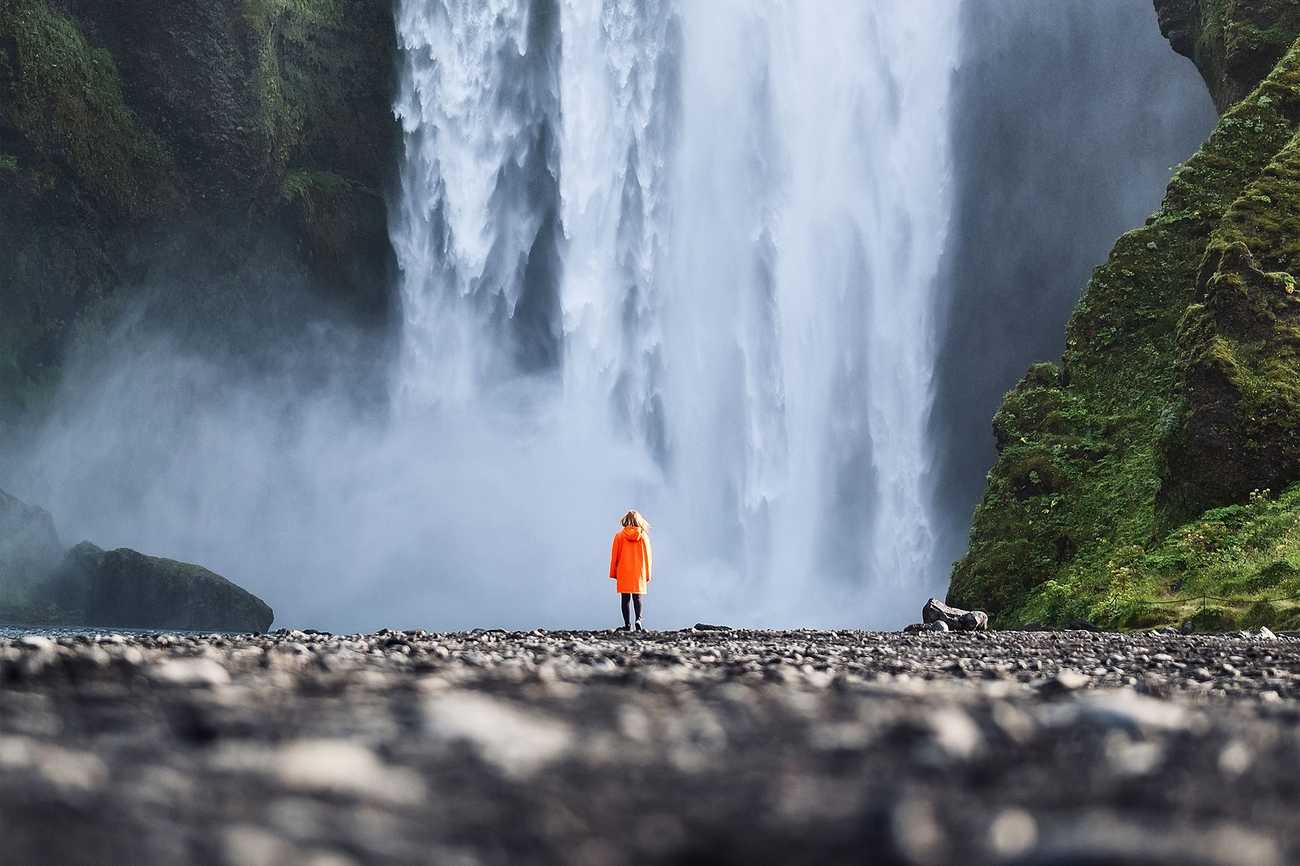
(629, 565)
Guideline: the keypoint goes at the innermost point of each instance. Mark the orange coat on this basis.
(629, 561)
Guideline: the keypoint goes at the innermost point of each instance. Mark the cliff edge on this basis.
(1146, 478)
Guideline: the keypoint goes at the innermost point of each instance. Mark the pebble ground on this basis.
(690, 747)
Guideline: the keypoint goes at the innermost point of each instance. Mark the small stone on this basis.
(252, 846)
(342, 766)
(955, 732)
(917, 833)
(1126, 709)
(192, 672)
(1013, 832)
(1235, 758)
(518, 743)
(1066, 680)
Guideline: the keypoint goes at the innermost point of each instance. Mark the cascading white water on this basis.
(680, 256)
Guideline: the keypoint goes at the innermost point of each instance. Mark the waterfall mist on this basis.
(681, 257)
(687, 257)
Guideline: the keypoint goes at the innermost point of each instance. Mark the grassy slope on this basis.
(1070, 525)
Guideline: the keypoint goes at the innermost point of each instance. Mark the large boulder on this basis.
(954, 618)
(126, 589)
(29, 548)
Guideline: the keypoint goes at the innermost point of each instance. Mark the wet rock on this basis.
(954, 617)
(1066, 680)
(125, 589)
(937, 625)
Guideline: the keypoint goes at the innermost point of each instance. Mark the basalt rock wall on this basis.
(221, 163)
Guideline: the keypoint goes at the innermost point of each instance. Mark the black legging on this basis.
(636, 601)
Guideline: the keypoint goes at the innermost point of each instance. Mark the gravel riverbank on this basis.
(689, 747)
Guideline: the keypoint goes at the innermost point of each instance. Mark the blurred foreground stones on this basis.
(708, 746)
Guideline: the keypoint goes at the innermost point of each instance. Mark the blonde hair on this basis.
(634, 518)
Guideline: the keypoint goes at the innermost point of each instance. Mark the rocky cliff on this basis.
(213, 156)
(1144, 478)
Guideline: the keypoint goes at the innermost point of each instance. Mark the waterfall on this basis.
(680, 256)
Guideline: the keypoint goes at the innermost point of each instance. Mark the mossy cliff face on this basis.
(1176, 394)
(192, 144)
(1234, 43)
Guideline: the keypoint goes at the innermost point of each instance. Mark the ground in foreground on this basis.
(689, 747)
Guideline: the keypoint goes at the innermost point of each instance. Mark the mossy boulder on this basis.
(125, 589)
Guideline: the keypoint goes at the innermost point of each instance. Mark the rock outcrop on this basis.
(954, 618)
(1234, 43)
(224, 149)
(1177, 389)
(125, 589)
(41, 584)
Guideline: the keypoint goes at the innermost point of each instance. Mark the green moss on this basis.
(1238, 565)
(1238, 424)
(1237, 42)
(1070, 525)
(1214, 619)
(313, 186)
(291, 22)
(8, 162)
(67, 101)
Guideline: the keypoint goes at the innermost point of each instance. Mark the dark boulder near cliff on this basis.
(126, 589)
(41, 584)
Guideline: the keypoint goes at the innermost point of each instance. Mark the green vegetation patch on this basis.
(1237, 427)
(1239, 41)
(277, 23)
(66, 99)
(1235, 567)
(1071, 514)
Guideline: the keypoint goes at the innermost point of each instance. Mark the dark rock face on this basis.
(667, 749)
(29, 547)
(122, 588)
(1234, 43)
(127, 589)
(225, 150)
